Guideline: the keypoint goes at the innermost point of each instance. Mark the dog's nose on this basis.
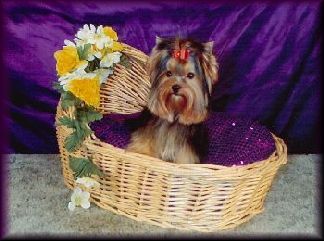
(175, 88)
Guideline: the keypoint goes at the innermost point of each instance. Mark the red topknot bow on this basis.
(181, 54)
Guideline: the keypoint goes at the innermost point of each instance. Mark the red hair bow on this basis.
(181, 54)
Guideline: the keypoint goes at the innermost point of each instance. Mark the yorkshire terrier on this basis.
(182, 74)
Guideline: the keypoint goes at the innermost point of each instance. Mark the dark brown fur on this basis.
(178, 102)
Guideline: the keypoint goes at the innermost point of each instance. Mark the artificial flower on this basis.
(86, 89)
(108, 31)
(80, 42)
(69, 43)
(86, 34)
(67, 59)
(109, 59)
(79, 198)
(117, 46)
(74, 73)
(103, 74)
(91, 35)
(94, 52)
(79, 71)
(88, 182)
(102, 40)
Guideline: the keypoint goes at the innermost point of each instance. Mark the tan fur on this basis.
(164, 142)
(142, 142)
(168, 135)
(195, 111)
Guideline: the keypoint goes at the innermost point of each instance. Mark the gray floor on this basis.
(38, 204)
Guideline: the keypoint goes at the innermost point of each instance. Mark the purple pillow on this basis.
(232, 140)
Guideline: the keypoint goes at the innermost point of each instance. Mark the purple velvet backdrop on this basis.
(268, 53)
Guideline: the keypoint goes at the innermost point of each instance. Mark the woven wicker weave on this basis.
(202, 197)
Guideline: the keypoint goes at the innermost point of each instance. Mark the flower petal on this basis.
(69, 43)
(78, 190)
(103, 75)
(85, 204)
(110, 33)
(86, 88)
(80, 180)
(71, 206)
(73, 197)
(99, 29)
(98, 55)
(92, 28)
(90, 57)
(85, 195)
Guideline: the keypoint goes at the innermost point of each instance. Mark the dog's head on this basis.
(182, 74)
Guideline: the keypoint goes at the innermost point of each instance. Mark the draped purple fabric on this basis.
(269, 56)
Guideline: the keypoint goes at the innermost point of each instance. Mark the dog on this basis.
(182, 74)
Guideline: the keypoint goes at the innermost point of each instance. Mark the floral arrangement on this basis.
(82, 66)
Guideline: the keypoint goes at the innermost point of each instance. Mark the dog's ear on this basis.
(209, 65)
(153, 63)
(208, 47)
(158, 40)
(159, 53)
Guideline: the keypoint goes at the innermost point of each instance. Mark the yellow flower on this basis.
(66, 60)
(110, 33)
(86, 89)
(117, 46)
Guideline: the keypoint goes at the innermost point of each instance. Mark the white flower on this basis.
(78, 73)
(89, 34)
(69, 43)
(109, 59)
(79, 198)
(102, 40)
(79, 42)
(71, 206)
(103, 74)
(88, 182)
(92, 53)
(86, 33)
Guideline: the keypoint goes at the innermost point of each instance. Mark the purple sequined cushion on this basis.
(232, 140)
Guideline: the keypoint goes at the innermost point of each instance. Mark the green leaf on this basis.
(83, 51)
(67, 103)
(94, 116)
(83, 167)
(75, 139)
(67, 121)
(78, 130)
(84, 114)
(69, 99)
(72, 142)
(68, 96)
(89, 115)
(87, 131)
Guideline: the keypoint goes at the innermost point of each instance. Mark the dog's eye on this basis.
(168, 73)
(190, 75)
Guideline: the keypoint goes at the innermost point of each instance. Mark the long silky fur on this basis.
(157, 132)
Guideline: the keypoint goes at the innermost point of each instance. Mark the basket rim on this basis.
(96, 146)
(281, 148)
(277, 155)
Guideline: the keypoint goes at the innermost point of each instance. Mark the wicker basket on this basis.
(202, 197)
